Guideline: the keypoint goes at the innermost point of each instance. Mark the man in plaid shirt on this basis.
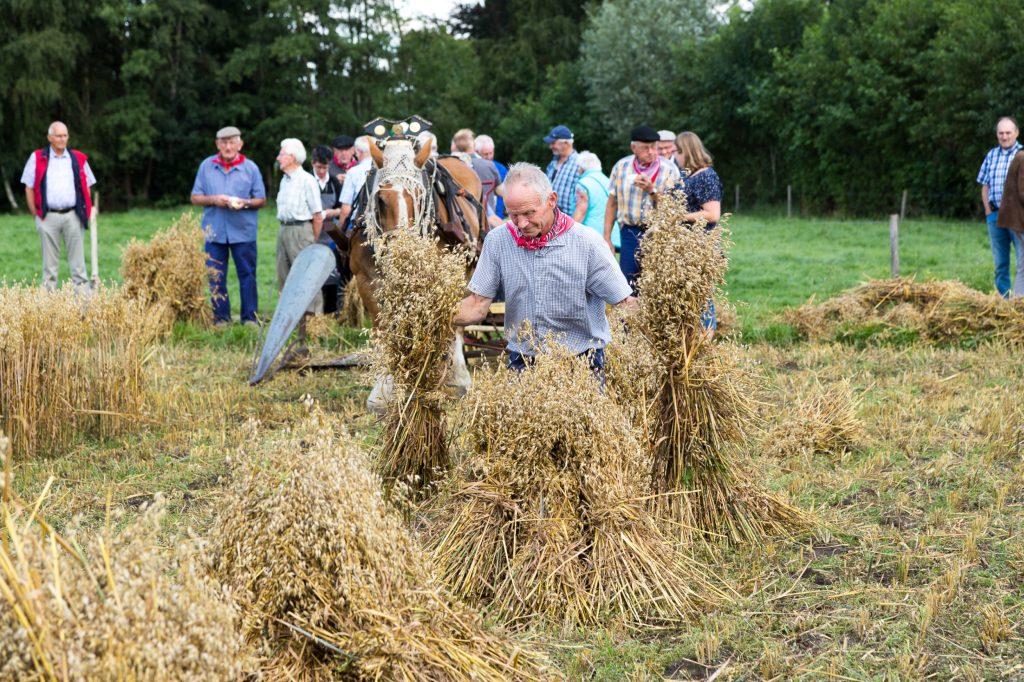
(557, 276)
(564, 169)
(992, 178)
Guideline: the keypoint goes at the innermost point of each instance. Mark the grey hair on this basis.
(484, 141)
(666, 136)
(293, 146)
(427, 135)
(49, 131)
(531, 176)
(362, 145)
(588, 161)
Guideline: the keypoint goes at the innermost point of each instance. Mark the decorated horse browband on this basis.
(384, 130)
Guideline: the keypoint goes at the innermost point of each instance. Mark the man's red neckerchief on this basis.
(561, 225)
(651, 170)
(228, 165)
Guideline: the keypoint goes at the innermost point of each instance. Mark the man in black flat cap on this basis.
(636, 181)
(344, 150)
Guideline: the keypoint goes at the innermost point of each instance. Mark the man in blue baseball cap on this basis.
(564, 170)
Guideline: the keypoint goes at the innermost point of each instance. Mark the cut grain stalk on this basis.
(698, 396)
(420, 289)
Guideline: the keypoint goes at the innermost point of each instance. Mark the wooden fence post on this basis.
(903, 206)
(736, 208)
(789, 201)
(894, 243)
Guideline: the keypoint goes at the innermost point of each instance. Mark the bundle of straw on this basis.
(105, 607)
(420, 290)
(699, 403)
(70, 365)
(169, 273)
(946, 312)
(546, 520)
(823, 423)
(329, 582)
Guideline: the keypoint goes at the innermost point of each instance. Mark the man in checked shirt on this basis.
(992, 177)
(557, 275)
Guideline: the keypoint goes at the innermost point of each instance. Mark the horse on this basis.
(408, 189)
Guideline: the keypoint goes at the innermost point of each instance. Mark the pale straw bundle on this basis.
(71, 365)
(330, 583)
(420, 289)
(824, 422)
(546, 520)
(700, 402)
(169, 272)
(108, 606)
(945, 312)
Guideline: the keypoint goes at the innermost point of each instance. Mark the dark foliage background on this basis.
(849, 101)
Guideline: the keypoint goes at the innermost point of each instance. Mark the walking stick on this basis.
(92, 241)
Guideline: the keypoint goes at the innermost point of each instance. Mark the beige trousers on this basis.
(290, 240)
(53, 229)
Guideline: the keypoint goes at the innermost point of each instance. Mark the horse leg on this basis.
(460, 379)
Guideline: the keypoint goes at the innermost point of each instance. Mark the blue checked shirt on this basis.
(633, 202)
(560, 288)
(993, 171)
(563, 180)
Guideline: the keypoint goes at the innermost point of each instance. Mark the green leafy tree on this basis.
(632, 57)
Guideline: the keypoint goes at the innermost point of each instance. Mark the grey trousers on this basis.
(53, 229)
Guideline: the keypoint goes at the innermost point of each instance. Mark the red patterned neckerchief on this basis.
(228, 165)
(651, 170)
(561, 225)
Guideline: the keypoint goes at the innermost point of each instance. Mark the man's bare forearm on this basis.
(472, 309)
(30, 200)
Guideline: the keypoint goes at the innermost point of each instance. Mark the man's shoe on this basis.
(220, 324)
(253, 324)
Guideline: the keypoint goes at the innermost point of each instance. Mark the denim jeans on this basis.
(244, 255)
(628, 261)
(1001, 238)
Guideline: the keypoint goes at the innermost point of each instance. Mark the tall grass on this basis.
(70, 365)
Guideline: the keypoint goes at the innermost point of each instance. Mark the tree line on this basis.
(848, 101)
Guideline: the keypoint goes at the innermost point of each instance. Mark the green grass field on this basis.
(915, 570)
(776, 262)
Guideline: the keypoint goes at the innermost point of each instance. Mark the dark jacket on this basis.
(1011, 207)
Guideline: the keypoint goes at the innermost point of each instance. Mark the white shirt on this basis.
(60, 179)
(298, 197)
(354, 181)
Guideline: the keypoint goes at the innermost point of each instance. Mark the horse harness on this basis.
(446, 190)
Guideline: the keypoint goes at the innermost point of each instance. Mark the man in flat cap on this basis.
(636, 182)
(230, 189)
(344, 148)
(564, 169)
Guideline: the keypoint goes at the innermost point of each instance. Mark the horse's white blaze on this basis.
(460, 378)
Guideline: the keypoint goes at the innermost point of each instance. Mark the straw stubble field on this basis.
(908, 454)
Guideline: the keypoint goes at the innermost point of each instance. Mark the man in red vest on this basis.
(57, 182)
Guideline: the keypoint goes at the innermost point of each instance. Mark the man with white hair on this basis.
(300, 211)
(57, 190)
(592, 196)
(667, 145)
(485, 148)
(355, 179)
(557, 276)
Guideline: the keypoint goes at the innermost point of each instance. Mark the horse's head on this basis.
(402, 196)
